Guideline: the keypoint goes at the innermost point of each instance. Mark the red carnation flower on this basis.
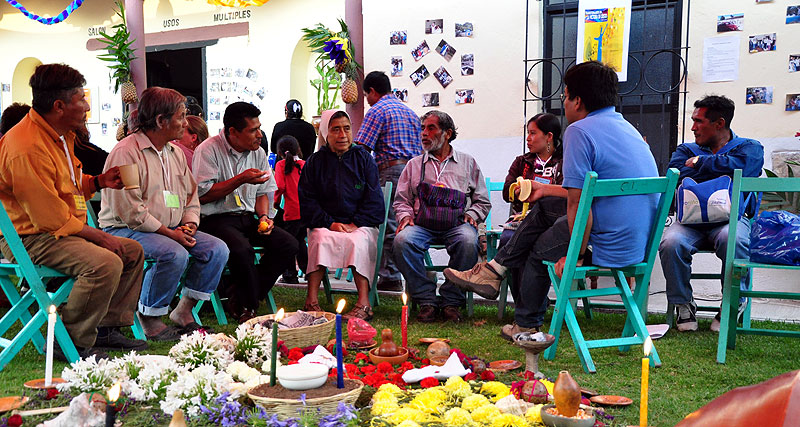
(471, 376)
(361, 359)
(295, 354)
(406, 366)
(487, 375)
(51, 393)
(397, 378)
(385, 367)
(351, 368)
(368, 369)
(14, 420)
(425, 362)
(429, 382)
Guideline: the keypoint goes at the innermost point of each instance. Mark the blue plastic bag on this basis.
(775, 238)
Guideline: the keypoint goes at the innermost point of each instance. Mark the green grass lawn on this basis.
(688, 378)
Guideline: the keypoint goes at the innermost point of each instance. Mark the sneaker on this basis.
(482, 280)
(112, 339)
(715, 324)
(686, 320)
(508, 331)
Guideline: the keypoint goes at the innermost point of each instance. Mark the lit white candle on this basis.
(48, 364)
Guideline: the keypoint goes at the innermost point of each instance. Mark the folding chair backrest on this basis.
(21, 257)
(387, 200)
(594, 188)
(492, 186)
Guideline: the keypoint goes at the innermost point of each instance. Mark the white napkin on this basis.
(452, 367)
(320, 355)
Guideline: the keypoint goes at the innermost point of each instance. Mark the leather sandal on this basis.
(363, 312)
(312, 307)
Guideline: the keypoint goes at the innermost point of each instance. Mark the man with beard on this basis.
(234, 183)
(717, 151)
(440, 174)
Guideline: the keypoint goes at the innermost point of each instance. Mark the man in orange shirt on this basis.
(44, 191)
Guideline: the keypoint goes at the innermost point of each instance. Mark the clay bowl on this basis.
(439, 360)
(560, 421)
(394, 360)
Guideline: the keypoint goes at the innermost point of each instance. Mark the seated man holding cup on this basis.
(160, 209)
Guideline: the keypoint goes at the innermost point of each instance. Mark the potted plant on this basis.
(120, 54)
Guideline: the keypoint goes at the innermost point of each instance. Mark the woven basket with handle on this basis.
(305, 336)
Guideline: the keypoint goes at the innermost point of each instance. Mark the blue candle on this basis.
(339, 354)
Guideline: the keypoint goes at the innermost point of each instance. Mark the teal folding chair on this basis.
(492, 242)
(373, 284)
(35, 276)
(567, 286)
(736, 268)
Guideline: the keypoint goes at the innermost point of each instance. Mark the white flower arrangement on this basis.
(266, 367)
(240, 372)
(155, 378)
(89, 376)
(200, 349)
(253, 344)
(201, 386)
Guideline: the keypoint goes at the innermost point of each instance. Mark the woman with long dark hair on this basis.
(287, 177)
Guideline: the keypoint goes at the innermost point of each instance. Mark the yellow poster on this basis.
(604, 36)
(87, 93)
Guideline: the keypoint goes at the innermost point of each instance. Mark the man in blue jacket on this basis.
(717, 151)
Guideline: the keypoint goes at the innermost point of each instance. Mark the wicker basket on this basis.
(292, 407)
(305, 336)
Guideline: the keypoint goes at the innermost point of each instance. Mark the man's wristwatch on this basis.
(96, 180)
(260, 217)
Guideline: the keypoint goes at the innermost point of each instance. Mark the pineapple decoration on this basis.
(334, 48)
(119, 53)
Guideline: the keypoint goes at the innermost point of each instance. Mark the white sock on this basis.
(499, 269)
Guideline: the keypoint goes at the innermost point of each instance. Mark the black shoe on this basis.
(452, 314)
(113, 339)
(390, 285)
(426, 314)
(83, 353)
(291, 280)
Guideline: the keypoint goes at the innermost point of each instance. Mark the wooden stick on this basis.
(33, 412)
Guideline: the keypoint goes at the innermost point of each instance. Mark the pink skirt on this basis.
(333, 249)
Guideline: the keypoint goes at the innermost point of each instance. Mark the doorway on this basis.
(179, 67)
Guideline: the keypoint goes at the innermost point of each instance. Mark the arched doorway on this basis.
(20, 87)
(302, 70)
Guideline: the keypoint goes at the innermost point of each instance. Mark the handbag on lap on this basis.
(440, 208)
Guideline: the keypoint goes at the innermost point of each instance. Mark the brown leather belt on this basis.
(390, 163)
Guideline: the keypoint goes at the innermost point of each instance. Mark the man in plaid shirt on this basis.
(392, 131)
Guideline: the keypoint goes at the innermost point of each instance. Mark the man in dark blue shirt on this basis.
(721, 152)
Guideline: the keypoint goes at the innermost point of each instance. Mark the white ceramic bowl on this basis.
(302, 376)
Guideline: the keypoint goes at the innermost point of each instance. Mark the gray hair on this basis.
(444, 120)
(157, 101)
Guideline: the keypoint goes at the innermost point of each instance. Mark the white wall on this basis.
(763, 121)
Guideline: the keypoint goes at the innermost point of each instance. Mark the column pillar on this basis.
(355, 23)
(134, 14)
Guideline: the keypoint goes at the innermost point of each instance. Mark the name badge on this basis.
(80, 202)
(171, 200)
(541, 180)
(237, 199)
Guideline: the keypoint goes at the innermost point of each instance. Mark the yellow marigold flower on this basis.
(496, 389)
(384, 395)
(457, 417)
(391, 388)
(429, 400)
(485, 414)
(508, 420)
(384, 407)
(408, 423)
(457, 387)
(534, 414)
(407, 414)
(474, 401)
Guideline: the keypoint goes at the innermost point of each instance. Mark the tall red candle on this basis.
(404, 321)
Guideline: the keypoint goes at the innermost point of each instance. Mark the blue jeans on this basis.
(680, 242)
(410, 246)
(160, 282)
(388, 270)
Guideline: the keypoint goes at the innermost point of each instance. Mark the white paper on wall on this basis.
(721, 59)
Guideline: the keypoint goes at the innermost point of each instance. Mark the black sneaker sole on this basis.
(484, 291)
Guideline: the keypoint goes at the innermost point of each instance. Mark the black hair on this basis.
(294, 109)
(288, 147)
(12, 115)
(717, 107)
(595, 83)
(549, 123)
(337, 115)
(54, 82)
(379, 81)
(236, 115)
(444, 120)
(193, 107)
